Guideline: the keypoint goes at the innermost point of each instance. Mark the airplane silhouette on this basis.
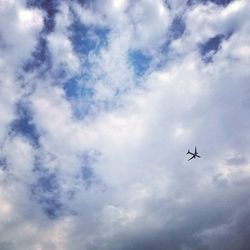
(194, 155)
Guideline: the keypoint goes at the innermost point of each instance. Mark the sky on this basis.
(100, 101)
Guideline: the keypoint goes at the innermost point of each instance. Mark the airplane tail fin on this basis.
(188, 152)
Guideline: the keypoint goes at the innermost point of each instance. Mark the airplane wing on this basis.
(191, 158)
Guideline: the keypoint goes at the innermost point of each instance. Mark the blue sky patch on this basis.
(86, 3)
(87, 172)
(176, 30)
(139, 61)
(87, 175)
(74, 88)
(3, 163)
(177, 27)
(210, 47)
(24, 125)
(218, 2)
(88, 39)
(40, 57)
(80, 95)
(71, 88)
(46, 192)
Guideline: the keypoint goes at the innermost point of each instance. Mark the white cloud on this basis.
(20, 155)
(88, 16)
(62, 52)
(143, 191)
(19, 28)
(205, 21)
(177, 6)
(60, 45)
(151, 20)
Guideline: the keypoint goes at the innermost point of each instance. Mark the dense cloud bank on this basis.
(99, 102)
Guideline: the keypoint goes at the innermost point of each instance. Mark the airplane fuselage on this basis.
(194, 155)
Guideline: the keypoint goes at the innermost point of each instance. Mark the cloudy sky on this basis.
(100, 101)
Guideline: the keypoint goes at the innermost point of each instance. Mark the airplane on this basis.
(194, 155)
